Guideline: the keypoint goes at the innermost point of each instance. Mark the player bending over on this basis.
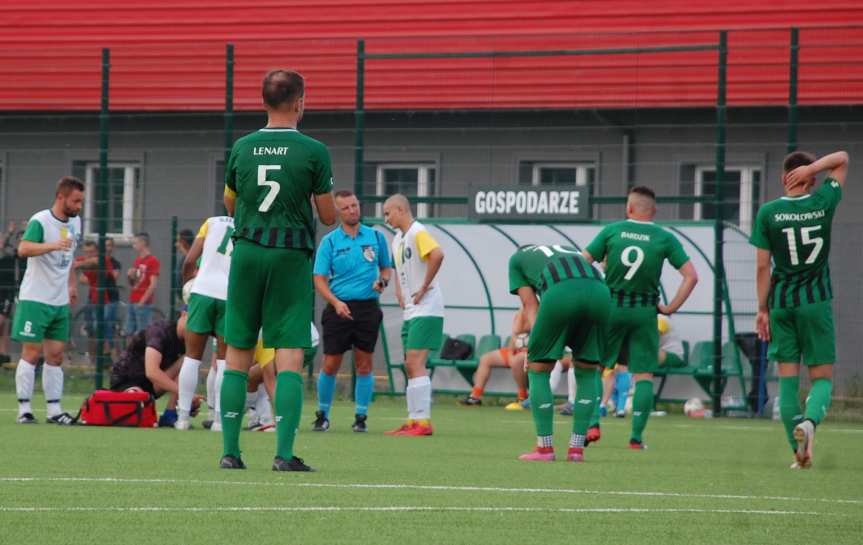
(206, 314)
(418, 258)
(513, 356)
(795, 313)
(573, 311)
(636, 249)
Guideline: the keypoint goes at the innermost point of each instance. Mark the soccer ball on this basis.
(521, 341)
(693, 407)
(187, 290)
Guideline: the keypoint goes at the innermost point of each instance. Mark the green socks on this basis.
(289, 407)
(586, 405)
(597, 380)
(789, 406)
(541, 403)
(642, 404)
(233, 402)
(819, 399)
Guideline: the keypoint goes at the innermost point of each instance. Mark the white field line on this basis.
(437, 488)
(399, 508)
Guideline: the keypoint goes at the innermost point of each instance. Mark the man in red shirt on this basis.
(143, 277)
(88, 265)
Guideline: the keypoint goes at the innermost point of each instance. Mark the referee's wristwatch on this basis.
(383, 282)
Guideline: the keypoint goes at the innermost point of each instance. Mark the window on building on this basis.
(409, 179)
(120, 196)
(740, 188)
(538, 173)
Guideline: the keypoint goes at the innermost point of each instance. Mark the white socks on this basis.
(25, 377)
(217, 390)
(570, 384)
(554, 377)
(263, 407)
(211, 386)
(419, 398)
(188, 383)
(52, 385)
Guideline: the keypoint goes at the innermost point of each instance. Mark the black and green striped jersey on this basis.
(543, 266)
(796, 231)
(635, 252)
(274, 173)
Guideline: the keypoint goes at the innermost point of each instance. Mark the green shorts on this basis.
(571, 313)
(35, 322)
(206, 315)
(804, 332)
(632, 339)
(269, 289)
(422, 333)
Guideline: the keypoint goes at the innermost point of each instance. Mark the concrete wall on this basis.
(178, 155)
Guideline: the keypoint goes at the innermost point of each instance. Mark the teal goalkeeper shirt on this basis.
(353, 264)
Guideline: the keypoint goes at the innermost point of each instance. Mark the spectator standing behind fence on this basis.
(89, 266)
(8, 284)
(184, 241)
(143, 277)
(352, 268)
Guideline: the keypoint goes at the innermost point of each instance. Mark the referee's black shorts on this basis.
(340, 334)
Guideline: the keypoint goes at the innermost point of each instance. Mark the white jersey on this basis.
(47, 277)
(212, 277)
(410, 251)
(668, 339)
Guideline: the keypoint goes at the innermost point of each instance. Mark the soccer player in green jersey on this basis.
(566, 303)
(636, 249)
(794, 310)
(270, 179)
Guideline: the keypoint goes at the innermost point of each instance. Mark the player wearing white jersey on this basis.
(418, 258)
(41, 320)
(213, 246)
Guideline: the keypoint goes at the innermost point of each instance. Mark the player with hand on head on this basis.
(418, 259)
(513, 356)
(41, 322)
(636, 250)
(566, 303)
(795, 313)
(206, 313)
(272, 177)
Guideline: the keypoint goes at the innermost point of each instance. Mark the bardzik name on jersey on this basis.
(796, 231)
(273, 173)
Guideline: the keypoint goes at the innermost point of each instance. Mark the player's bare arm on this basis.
(326, 205)
(435, 260)
(230, 201)
(690, 279)
(154, 373)
(192, 258)
(836, 164)
(73, 284)
(28, 248)
(529, 304)
(150, 289)
(323, 287)
(587, 256)
(762, 283)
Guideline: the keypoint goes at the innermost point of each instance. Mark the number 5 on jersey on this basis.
(273, 186)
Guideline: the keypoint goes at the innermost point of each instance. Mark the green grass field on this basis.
(701, 481)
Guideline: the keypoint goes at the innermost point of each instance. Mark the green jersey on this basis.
(796, 231)
(543, 266)
(636, 251)
(274, 173)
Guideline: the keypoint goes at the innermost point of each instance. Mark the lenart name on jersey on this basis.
(805, 216)
(267, 150)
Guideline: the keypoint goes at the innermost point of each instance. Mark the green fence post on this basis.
(102, 217)
(360, 120)
(719, 275)
(175, 289)
(229, 101)
(792, 89)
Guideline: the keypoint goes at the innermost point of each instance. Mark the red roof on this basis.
(169, 54)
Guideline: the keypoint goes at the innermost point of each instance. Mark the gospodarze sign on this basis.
(557, 203)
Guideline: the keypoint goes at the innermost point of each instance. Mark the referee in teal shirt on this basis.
(352, 268)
